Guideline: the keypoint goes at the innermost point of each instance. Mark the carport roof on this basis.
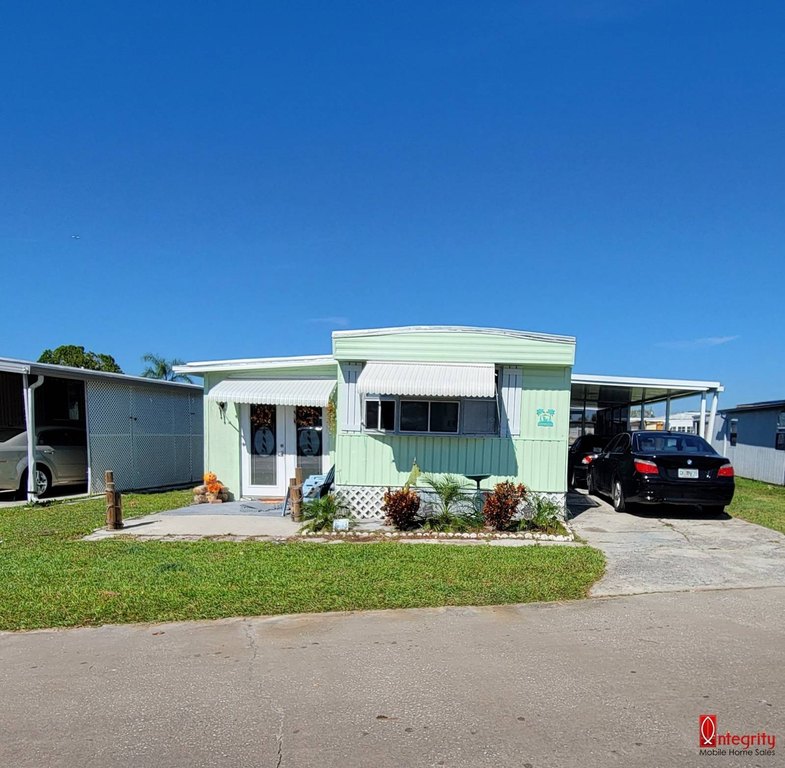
(10, 365)
(613, 391)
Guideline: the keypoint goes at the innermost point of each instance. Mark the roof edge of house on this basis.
(409, 329)
(251, 363)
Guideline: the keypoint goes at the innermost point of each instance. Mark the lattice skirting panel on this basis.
(365, 501)
(559, 499)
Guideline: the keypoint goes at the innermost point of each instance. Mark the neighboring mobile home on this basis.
(483, 403)
(752, 436)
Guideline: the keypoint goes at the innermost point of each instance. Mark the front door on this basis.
(276, 439)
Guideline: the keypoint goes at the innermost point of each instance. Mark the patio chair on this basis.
(317, 486)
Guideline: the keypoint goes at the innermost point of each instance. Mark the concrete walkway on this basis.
(241, 519)
(592, 683)
(667, 549)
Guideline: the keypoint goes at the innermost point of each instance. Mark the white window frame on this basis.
(380, 399)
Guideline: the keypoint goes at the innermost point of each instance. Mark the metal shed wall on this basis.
(149, 436)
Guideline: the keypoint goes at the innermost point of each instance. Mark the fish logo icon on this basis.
(707, 731)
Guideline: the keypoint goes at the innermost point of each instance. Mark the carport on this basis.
(609, 400)
(148, 432)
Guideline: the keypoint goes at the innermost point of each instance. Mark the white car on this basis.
(60, 456)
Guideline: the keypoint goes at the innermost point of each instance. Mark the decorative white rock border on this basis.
(481, 536)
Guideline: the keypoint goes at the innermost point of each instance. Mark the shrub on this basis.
(502, 504)
(400, 508)
(319, 514)
(467, 520)
(450, 492)
(545, 515)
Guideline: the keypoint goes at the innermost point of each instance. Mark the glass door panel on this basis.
(308, 424)
(264, 442)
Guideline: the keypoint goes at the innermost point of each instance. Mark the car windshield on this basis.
(9, 433)
(669, 443)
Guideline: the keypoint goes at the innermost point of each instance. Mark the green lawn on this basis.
(50, 578)
(759, 503)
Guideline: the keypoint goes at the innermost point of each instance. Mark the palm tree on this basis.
(160, 368)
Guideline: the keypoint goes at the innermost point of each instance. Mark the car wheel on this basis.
(43, 479)
(590, 487)
(617, 495)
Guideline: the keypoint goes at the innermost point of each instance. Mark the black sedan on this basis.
(582, 452)
(662, 468)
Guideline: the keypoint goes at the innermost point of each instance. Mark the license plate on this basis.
(688, 473)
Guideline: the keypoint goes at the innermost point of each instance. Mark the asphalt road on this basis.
(605, 682)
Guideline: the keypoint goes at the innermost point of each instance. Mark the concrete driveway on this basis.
(670, 549)
(592, 683)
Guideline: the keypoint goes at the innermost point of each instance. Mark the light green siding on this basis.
(222, 438)
(223, 443)
(537, 458)
(546, 389)
(536, 455)
(455, 347)
(300, 372)
(387, 460)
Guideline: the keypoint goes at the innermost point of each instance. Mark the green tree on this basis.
(160, 368)
(77, 357)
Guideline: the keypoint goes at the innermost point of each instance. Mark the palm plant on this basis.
(319, 514)
(160, 368)
(453, 510)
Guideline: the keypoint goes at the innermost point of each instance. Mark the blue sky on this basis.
(245, 177)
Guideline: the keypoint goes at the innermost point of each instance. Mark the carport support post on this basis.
(29, 403)
(642, 423)
(667, 413)
(715, 396)
(702, 425)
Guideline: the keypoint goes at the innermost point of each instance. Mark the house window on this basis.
(414, 416)
(480, 417)
(380, 415)
(734, 431)
(779, 440)
(444, 417)
(439, 416)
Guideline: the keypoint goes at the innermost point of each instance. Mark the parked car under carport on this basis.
(662, 468)
(60, 459)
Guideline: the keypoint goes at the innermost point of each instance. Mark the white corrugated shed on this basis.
(428, 379)
(314, 392)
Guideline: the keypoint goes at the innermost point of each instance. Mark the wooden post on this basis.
(295, 497)
(114, 507)
(296, 494)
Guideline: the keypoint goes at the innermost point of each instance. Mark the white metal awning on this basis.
(315, 392)
(428, 379)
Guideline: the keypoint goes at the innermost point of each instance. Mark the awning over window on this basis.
(428, 379)
(314, 392)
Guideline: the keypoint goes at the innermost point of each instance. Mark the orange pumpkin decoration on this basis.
(209, 477)
(214, 487)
